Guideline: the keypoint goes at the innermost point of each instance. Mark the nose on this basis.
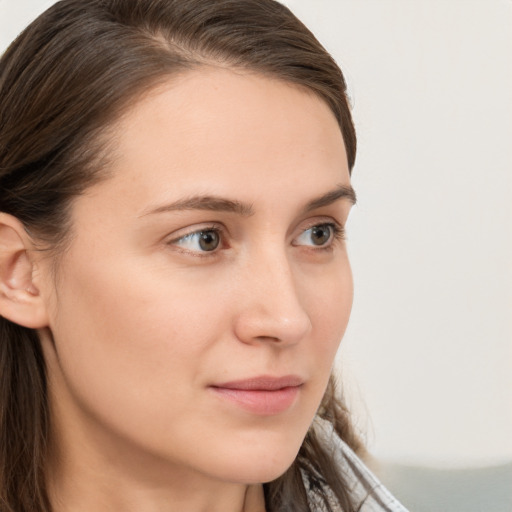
(269, 307)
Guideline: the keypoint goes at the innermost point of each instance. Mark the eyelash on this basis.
(337, 235)
(200, 254)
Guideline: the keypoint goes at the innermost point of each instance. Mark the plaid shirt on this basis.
(368, 494)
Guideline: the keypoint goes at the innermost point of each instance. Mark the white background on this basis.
(427, 359)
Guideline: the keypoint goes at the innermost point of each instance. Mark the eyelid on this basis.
(320, 221)
(338, 232)
(188, 232)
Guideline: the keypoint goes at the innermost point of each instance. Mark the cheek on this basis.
(328, 299)
(330, 303)
(131, 343)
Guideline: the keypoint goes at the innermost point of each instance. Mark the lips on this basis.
(263, 395)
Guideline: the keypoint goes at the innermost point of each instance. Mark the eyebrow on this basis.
(220, 204)
(341, 192)
(211, 203)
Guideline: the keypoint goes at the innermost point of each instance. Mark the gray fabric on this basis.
(424, 489)
(367, 491)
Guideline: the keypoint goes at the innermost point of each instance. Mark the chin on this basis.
(257, 473)
(269, 454)
(261, 465)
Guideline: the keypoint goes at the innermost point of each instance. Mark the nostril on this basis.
(269, 338)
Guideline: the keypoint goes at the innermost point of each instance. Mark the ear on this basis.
(20, 299)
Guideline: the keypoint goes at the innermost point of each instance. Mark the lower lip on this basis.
(262, 402)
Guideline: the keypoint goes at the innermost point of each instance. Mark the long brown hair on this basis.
(63, 82)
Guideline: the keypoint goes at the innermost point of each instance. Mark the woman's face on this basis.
(197, 312)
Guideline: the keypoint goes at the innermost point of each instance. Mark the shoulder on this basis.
(368, 493)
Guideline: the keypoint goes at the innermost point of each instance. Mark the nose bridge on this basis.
(271, 308)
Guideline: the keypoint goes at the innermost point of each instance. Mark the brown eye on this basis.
(209, 240)
(205, 240)
(320, 235)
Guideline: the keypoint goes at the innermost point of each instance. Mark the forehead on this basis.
(212, 130)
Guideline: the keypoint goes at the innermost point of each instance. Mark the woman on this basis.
(174, 185)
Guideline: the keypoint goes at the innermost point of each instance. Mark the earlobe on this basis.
(20, 299)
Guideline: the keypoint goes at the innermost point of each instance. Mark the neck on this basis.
(99, 483)
(84, 496)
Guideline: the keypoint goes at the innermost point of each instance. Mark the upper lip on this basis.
(263, 383)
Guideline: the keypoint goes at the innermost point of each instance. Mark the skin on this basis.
(141, 321)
